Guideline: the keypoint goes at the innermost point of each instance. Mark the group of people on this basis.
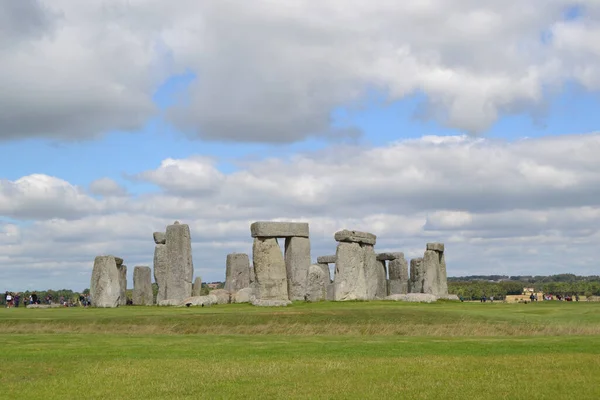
(15, 299)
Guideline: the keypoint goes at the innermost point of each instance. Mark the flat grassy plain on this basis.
(353, 350)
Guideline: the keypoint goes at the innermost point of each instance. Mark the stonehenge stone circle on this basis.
(269, 269)
(237, 272)
(105, 286)
(197, 286)
(296, 260)
(161, 267)
(180, 268)
(142, 286)
(355, 257)
(122, 284)
(318, 282)
(398, 275)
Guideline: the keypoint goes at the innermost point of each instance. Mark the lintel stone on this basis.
(160, 237)
(326, 259)
(355, 237)
(389, 256)
(435, 246)
(271, 229)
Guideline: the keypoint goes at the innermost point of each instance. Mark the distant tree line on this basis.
(476, 286)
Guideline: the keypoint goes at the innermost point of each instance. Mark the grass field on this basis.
(352, 350)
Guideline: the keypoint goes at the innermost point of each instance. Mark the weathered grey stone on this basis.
(350, 282)
(270, 303)
(160, 237)
(355, 237)
(435, 247)
(297, 262)
(200, 301)
(244, 295)
(118, 260)
(180, 269)
(374, 274)
(105, 289)
(122, 284)
(389, 256)
(413, 297)
(416, 275)
(270, 229)
(331, 292)
(326, 260)
(197, 287)
(142, 286)
(431, 262)
(222, 295)
(55, 305)
(442, 277)
(161, 267)
(399, 279)
(170, 302)
(270, 270)
(318, 281)
(237, 272)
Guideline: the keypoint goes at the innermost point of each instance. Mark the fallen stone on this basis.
(318, 281)
(326, 260)
(355, 237)
(160, 237)
(180, 269)
(44, 305)
(270, 303)
(105, 289)
(297, 262)
(170, 302)
(122, 284)
(197, 287)
(389, 256)
(350, 282)
(270, 229)
(270, 270)
(161, 266)
(222, 295)
(244, 295)
(200, 301)
(142, 286)
(237, 272)
(435, 247)
(413, 297)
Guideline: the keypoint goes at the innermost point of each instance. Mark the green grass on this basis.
(320, 351)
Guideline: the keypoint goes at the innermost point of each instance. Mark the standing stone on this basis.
(159, 237)
(269, 269)
(350, 282)
(297, 263)
(122, 284)
(434, 267)
(237, 272)
(160, 271)
(197, 286)
(105, 288)
(331, 292)
(318, 281)
(179, 258)
(374, 274)
(416, 275)
(142, 286)
(398, 283)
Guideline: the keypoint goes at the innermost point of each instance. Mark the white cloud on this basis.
(107, 187)
(473, 194)
(274, 71)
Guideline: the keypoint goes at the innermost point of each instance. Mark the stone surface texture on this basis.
(318, 281)
(416, 275)
(399, 279)
(243, 296)
(180, 269)
(326, 260)
(270, 270)
(142, 286)
(122, 284)
(389, 256)
(200, 301)
(197, 287)
(374, 274)
(297, 262)
(237, 272)
(435, 247)
(268, 229)
(346, 235)
(222, 295)
(159, 237)
(350, 282)
(105, 289)
(161, 267)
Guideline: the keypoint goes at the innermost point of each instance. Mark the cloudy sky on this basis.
(470, 122)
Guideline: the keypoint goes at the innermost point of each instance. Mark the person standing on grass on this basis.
(8, 298)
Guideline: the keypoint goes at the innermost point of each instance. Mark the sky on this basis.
(472, 123)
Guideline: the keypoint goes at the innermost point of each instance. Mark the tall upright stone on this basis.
(105, 289)
(374, 274)
(399, 279)
(318, 282)
(297, 262)
(237, 272)
(417, 275)
(197, 287)
(434, 268)
(122, 284)
(354, 257)
(142, 286)
(161, 267)
(269, 270)
(180, 271)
